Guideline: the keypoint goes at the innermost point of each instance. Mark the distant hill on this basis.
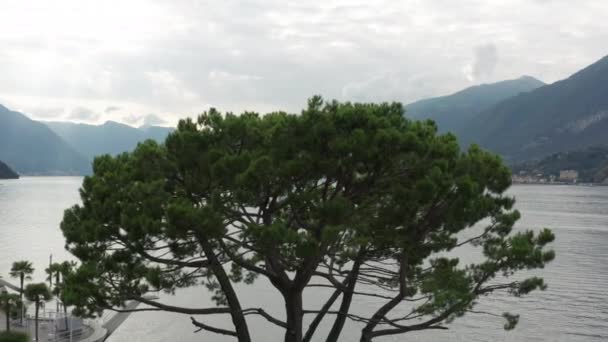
(567, 115)
(591, 164)
(31, 148)
(6, 172)
(157, 133)
(452, 112)
(109, 138)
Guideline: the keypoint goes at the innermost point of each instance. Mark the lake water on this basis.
(574, 308)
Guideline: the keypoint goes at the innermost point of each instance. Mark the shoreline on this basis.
(557, 183)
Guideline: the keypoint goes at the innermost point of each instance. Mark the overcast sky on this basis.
(155, 61)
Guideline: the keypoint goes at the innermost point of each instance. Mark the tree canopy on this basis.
(351, 197)
(37, 293)
(10, 304)
(22, 269)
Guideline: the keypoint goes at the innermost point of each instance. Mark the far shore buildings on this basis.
(532, 178)
(569, 176)
(565, 177)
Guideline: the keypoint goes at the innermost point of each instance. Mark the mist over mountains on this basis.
(64, 148)
(453, 112)
(566, 115)
(524, 119)
(520, 119)
(31, 148)
(109, 138)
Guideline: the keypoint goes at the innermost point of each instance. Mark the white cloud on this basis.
(165, 84)
(176, 57)
(484, 62)
(224, 76)
(83, 114)
(144, 120)
(153, 120)
(46, 112)
(111, 109)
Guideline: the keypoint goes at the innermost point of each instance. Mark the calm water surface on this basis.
(574, 308)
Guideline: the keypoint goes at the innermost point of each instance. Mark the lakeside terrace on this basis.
(54, 326)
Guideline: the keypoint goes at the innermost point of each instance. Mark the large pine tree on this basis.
(352, 196)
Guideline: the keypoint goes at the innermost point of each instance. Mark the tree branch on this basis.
(267, 316)
(204, 326)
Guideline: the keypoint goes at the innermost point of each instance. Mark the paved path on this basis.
(120, 317)
(43, 330)
(9, 285)
(100, 332)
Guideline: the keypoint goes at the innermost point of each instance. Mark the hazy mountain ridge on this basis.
(31, 148)
(453, 112)
(6, 172)
(109, 138)
(567, 115)
(520, 119)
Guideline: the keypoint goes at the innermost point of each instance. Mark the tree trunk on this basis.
(236, 311)
(8, 316)
(368, 331)
(319, 317)
(294, 311)
(36, 319)
(347, 298)
(65, 314)
(57, 286)
(22, 276)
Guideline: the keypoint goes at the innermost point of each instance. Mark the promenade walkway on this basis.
(94, 331)
(9, 285)
(119, 318)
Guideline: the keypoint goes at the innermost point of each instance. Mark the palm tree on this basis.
(8, 303)
(37, 293)
(23, 270)
(54, 270)
(66, 269)
(61, 271)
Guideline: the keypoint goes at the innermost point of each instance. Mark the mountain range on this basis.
(453, 112)
(64, 148)
(524, 119)
(109, 138)
(520, 119)
(31, 148)
(567, 115)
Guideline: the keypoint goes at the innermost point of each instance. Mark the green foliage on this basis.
(37, 293)
(22, 268)
(13, 337)
(59, 272)
(23, 271)
(346, 193)
(511, 321)
(591, 164)
(6, 172)
(10, 304)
